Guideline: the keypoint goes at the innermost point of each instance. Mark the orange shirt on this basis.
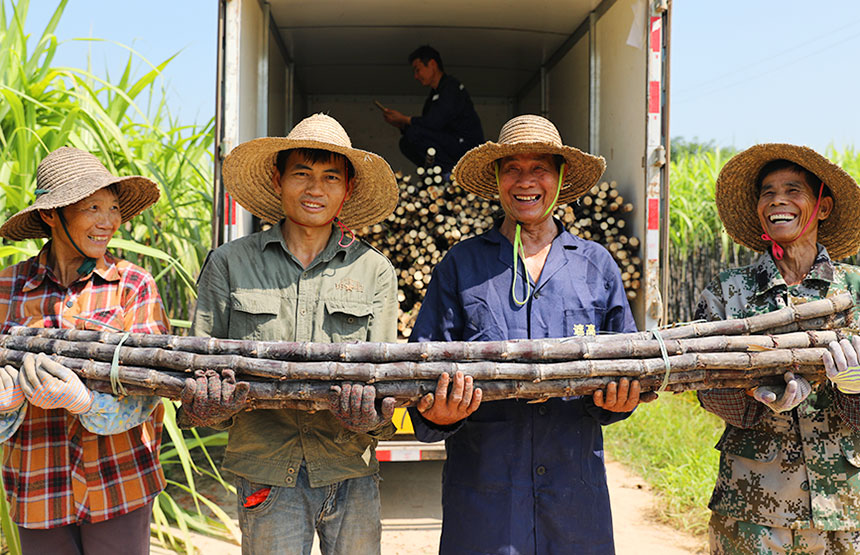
(55, 471)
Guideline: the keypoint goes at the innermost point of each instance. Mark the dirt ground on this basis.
(412, 515)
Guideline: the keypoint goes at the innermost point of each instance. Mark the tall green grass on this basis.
(129, 127)
(670, 443)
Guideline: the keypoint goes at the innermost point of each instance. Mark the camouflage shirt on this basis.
(797, 469)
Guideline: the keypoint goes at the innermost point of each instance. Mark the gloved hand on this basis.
(48, 384)
(782, 399)
(841, 365)
(11, 396)
(207, 399)
(354, 405)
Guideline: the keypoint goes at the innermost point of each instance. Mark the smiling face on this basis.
(91, 223)
(786, 203)
(311, 192)
(527, 186)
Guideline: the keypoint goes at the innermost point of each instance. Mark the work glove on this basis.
(355, 406)
(782, 399)
(11, 396)
(48, 384)
(209, 399)
(841, 365)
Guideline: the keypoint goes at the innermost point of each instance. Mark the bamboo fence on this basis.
(729, 353)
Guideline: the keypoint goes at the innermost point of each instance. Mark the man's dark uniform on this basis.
(448, 122)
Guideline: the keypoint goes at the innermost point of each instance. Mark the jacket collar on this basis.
(563, 243)
(767, 274)
(332, 248)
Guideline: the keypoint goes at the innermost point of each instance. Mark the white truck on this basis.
(599, 69)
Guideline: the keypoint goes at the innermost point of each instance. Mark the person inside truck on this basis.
(448, 122)
(306, 278)
(80, 467)
(789, 474)
(524, 477)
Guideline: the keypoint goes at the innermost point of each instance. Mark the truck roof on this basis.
(497, 46)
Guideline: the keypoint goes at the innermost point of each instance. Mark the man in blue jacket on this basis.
(448, 123)
(524, 478)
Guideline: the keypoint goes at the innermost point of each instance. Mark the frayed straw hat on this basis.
(249, 167)
(737, 201)
(476, 172)
(69, 175)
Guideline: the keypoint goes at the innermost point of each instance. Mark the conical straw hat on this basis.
(69, 175)
(527, 134)
(249, 167)
(737, 200)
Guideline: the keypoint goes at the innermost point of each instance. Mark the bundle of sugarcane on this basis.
(433, 214)
(730, 353)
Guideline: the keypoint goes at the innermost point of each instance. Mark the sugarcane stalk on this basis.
(815, 315)
(184, 361)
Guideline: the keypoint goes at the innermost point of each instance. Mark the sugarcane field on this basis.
(391, 278)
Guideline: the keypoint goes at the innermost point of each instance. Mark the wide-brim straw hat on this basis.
(68, 175)
(737, 200)
(527, 134)
(249, 167)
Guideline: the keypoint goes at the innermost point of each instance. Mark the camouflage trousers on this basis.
(728, 536)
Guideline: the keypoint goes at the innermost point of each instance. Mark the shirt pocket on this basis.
(754, 445)
(103, 319)
(254, 315)
(347, 320)
(582, 321)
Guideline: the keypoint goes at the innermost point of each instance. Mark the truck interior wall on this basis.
(250, 50)
(568, 96)
(363, 120)
(622, 78)
(278, 74)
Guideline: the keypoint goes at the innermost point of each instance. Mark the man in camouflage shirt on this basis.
(789, 475)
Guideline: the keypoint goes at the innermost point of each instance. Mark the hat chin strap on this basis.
(343, 228)
(518, 242)
(776, 249)
(89, 264)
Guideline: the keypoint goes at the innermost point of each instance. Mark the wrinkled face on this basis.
(311, 192)
(527, 186)
(91, 223)
(424, 73)
(785, 204)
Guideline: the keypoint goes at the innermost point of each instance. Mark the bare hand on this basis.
(395, 118)
(623, 397)
(445, 409)
(355, 406)
(207, 399)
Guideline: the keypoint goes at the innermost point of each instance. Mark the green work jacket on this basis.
(254, 288)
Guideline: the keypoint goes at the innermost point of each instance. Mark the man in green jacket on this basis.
(306, 278)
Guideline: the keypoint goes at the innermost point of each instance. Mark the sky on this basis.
(742, 71)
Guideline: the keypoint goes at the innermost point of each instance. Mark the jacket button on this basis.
(536, 295)
(70, 304)
(542, 410)
(350, 320)
(804, 486)
(291, 470)
(289, 480)
(541, 470)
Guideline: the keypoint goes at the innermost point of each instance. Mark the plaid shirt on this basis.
(57, 472)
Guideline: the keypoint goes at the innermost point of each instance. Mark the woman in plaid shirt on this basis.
(80, 468)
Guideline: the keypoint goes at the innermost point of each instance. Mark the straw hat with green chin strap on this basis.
(737, 201)
(477, 170)
(249, 167)
(66, 176)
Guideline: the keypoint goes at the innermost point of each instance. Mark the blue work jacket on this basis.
(524, 478)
